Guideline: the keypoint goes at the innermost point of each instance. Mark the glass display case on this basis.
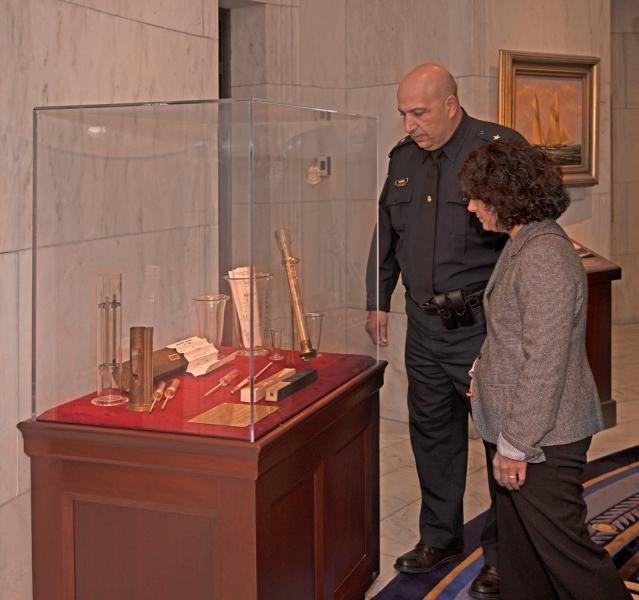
(198, 267)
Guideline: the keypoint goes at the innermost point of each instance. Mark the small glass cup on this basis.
(314, 328)
(209, 315)
(276, 344)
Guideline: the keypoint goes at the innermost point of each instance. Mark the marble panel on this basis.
(395, 457)
(279, 2)
(398, 488)
(388, 427)
(9, 353)
(210, 18)
(604, 176)
(400, 531)
(323, 43)
(284, 93)
(625, 139)
(282, 45)
(625, 308)
(476, 455)
(623, 435)
(569, 27)
(357, 339)
(170, 14)
(393, 394)
(619, 75)
(171, 65)
(362, 159)
(49, 69)
(249, 91)
(393, 38)
(66, 306)
(587, 220)
(479, 96)
(625, 223)
(16, 128)
(24, 361)
(248, 45)
(323, 97)
(322, 244)
(146, 169)
(625, 16)
(627, 405)
(15, 548)
(477, 497)
(362, 216)
(630, 49)
(380, 102)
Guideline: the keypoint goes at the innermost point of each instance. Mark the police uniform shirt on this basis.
(425, 228)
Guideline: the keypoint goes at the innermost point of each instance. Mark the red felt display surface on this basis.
(333, 370)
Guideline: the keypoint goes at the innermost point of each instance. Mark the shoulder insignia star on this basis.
(496, 137)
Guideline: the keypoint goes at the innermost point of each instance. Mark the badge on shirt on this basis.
(403, 182)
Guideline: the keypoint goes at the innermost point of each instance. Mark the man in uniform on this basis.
(426, 233)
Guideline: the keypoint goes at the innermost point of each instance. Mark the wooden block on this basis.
(291, 384)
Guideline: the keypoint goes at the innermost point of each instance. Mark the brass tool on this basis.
(224, 381)
(245, 381)
(290, 264)
(169, 392)
(141, 395)
(158, 394)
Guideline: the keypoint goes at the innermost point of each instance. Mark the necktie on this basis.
(430, 220)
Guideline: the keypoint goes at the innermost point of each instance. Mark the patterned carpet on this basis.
(612, 495)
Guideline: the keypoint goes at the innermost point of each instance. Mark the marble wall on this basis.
(58, 52)
(625, 152)
(351, 54)
(339, 54)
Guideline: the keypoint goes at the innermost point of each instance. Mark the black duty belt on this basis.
(454, 308)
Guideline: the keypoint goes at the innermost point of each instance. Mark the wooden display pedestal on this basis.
(138, 515)
(601, 273)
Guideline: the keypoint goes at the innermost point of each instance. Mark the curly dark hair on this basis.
(519, 181)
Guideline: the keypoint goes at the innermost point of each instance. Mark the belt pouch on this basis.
(461, 310)
(444, 311)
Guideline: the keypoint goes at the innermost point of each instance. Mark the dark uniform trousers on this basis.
(545, 552)
(437, 364)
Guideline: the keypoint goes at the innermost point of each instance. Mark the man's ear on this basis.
(452, 105)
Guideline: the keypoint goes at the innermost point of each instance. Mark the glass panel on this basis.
(184, 201)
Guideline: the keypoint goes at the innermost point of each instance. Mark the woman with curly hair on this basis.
(533, 396)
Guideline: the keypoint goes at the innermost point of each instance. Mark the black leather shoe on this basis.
(486, 584)
(424, 558)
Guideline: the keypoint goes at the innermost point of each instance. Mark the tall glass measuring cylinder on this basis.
(109, 340)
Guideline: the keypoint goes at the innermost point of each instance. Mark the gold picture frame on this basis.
(563, 92)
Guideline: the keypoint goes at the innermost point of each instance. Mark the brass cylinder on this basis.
(290, 264)
(141, 393)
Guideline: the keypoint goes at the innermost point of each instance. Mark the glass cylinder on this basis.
(250, 297)
(314, 328)
(209, 317)
(109, 340)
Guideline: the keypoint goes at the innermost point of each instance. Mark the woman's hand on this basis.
(471, 388)
(509, 473)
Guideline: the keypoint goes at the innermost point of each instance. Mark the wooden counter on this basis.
(120, 513)
(601, 273)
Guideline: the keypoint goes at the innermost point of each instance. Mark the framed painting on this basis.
(552, 100)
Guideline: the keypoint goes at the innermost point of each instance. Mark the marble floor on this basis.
(399, 488)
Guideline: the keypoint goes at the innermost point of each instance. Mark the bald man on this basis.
(445, 258)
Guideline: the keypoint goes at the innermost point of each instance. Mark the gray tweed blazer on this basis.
(533, 382)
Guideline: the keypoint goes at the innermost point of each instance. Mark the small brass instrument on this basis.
(141, 394)
(290, 264)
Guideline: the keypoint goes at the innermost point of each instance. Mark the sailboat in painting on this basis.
(557, 142)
